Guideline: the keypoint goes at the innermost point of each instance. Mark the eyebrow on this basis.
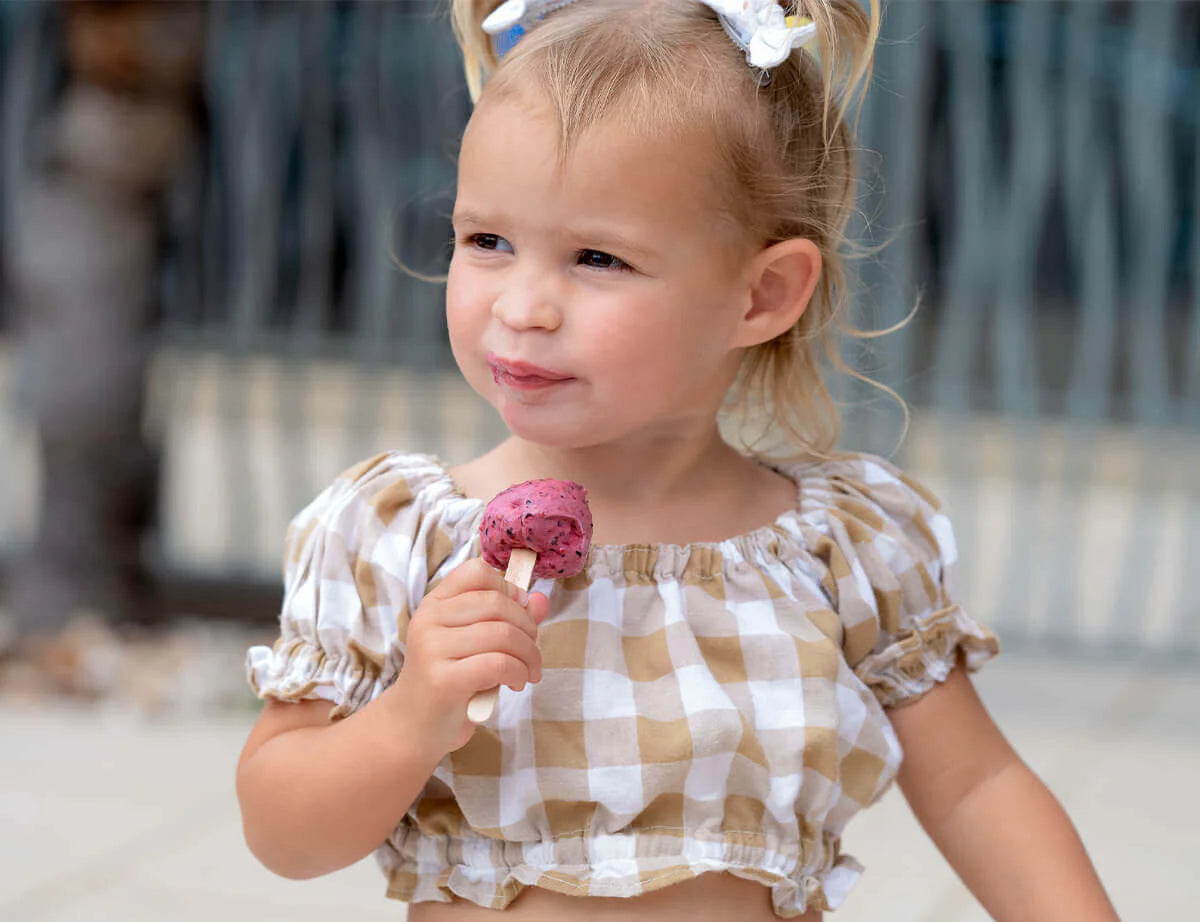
(470, 217)
(601, 238)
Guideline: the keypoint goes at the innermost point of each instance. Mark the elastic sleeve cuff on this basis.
(299, 671)
(924, 655)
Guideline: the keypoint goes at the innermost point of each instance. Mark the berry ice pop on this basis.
(539, 528)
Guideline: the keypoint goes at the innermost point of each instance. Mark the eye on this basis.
(597, 259)
(490, 242)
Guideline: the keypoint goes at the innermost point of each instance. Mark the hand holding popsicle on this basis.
(537, 528)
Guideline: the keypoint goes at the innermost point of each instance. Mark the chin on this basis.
(542, 433)
(550, 429)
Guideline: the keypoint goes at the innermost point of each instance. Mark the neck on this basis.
(676, 489)
(639, 471)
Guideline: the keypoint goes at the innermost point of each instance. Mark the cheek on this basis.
(466, 320)
(465, 305)
(678, 319)
(656, 345)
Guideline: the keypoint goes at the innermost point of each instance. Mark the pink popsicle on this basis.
(549, 517)
(539, 528)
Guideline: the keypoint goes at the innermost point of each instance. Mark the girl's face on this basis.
(597, 299)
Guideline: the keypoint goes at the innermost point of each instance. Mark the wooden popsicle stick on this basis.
(520, 574)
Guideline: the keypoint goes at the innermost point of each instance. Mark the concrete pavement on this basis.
(108, 815)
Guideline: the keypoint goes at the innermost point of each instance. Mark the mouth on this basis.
(524, 375)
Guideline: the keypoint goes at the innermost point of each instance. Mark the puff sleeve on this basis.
(358, 560)
(890, 553)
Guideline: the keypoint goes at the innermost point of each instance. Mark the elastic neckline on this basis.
(763, 536)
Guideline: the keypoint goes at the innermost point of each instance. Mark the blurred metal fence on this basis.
(1037, 186)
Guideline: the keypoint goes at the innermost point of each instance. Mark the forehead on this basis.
(512, 161)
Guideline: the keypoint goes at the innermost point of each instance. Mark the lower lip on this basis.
(526, 382)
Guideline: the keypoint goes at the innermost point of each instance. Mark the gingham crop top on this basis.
(709, 707)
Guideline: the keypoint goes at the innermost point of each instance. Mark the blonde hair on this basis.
(787, 148)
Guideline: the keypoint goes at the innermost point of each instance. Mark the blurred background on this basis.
(204, 212)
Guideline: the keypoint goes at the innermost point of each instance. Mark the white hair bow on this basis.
(758, 27)
(514, 13)
(762, 30)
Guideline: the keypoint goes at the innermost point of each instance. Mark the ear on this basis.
(782, 279)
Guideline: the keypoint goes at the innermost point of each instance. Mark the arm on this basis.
(1002, 831)
(317, 796)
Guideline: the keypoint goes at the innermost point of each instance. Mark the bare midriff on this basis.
(711, 897)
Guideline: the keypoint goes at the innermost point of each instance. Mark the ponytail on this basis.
(479, 59)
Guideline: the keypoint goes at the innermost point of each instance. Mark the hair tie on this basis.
(759, 27)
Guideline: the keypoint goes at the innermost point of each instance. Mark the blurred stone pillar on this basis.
(83, 275)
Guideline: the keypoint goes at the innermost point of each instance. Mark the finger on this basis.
(488, 670)
(516, 593)
(474, 607)
(494, 637)
(472, 576)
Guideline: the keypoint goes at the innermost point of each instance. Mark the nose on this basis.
(529, 301)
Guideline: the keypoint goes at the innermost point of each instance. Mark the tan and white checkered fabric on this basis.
(715, 707)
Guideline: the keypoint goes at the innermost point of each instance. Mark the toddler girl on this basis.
(651, 202)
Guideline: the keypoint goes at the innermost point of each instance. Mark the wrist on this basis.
(419, 731)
